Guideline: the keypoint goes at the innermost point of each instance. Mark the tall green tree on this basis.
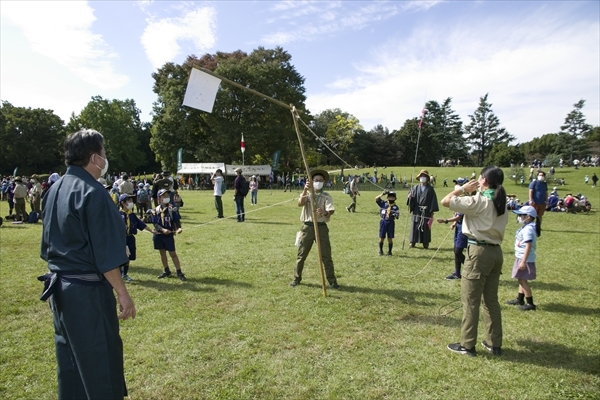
(484, 131)
(119, 122)
(337, 129)
(446, 130)
(31, 139)
(376, 146)
(216, 136)
(407, 138)
(574, 130)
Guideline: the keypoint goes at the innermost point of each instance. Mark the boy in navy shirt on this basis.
(132, 225)
(389, 213)
(167, 224)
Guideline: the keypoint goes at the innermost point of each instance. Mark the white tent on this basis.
(209, 168)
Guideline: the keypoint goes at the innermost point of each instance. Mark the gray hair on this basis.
(79, 146)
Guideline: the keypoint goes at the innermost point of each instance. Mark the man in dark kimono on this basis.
(83, 241)
(422, 203)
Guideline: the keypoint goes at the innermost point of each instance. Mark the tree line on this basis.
(31, 139)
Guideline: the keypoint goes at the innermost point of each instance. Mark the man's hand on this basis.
(126, 306)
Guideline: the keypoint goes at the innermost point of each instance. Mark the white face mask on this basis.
(541, 178)
(105, 169)
(318, 185)
(166, 200)
(422, 179)
(129, 206)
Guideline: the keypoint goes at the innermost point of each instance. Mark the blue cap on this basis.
(460, 181)
(124, 197)
(526, 210)
(163, 191)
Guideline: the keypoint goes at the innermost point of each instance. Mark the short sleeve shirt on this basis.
(324, 201)
(83, 231)
(526, 234)
(540, 190)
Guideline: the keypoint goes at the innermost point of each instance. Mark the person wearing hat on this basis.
(524, 267)
(20, 193)
(422, 204)
(538, 197)
(132, 225)
(353, 192)
(83, 242)
(484, 223)
(323, 203)
(35, 194)
(389, 213)
(167, 223)
(240, 188)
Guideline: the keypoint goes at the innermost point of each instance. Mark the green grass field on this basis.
(236, 330)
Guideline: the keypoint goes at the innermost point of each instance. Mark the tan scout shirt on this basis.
(324, 201)
(20, 191)
(126, 187)
(481, 221)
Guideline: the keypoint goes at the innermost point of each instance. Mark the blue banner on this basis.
(276, 159)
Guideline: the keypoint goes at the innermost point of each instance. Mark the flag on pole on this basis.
(242, 144)
(201, 91)
(179, 158)
(422, 116)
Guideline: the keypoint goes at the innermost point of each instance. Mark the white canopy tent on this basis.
(209, 168)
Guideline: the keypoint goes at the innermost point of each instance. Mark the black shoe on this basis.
(164, 274)
(181, 276)
(457, 348)
(334, 285)
(515, 302)
(411, 245)
(295, 283)
(380, 253)
(389, 254)
(497, 351)
(528, 307)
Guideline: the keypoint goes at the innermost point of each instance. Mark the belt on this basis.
(51, 278)
(481, 243)
(309, 223)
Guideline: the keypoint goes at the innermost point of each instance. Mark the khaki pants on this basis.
(480, 278)
(307, 238)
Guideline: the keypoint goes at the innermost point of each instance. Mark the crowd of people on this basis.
(85, 218)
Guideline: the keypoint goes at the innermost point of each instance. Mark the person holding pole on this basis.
(324, 210)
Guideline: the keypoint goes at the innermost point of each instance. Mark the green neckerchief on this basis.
(489, 193)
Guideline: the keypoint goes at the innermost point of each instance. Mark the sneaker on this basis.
(335, 285)
(126, 278)
(452, 277)
(347, 209)
(389, 254)
(164, 274)
(380, 253)
(295, 283)
(181, 276)
(514, 302)
(457, 348)
(497, 351)
(528, 307)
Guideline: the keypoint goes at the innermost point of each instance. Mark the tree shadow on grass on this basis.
(554, 355)
(568, 309)
(566, 231)
(258, 221)
(192, 283)
(535, 285)
(436, 319)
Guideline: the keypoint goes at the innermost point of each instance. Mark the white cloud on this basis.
(162, 36)
(313, 19)
(533, 69)
(62, 32)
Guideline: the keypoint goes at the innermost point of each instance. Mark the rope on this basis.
(431, 259)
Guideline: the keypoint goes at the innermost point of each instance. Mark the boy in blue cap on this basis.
(167, 223)
(132, 225)
(389, 213)
(524, 266)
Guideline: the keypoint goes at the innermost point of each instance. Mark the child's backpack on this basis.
(142, 196)
(33, 218)
(223, 187)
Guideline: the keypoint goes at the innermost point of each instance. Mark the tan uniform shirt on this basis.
(481, 222)
(324, 201)
(126, 187)
(20, 191)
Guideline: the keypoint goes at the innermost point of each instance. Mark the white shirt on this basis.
(218, 181)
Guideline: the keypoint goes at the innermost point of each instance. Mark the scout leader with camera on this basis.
(484, 223)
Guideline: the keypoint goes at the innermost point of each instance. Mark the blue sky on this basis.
(379, 61)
